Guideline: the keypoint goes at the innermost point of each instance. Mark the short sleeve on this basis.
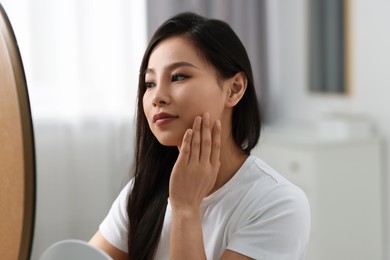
(114, 227)
(278, 230)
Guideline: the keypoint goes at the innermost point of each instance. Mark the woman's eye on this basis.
(179, 77)
(149, 84)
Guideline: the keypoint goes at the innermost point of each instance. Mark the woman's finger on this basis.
(205, 148)
(216, 145)
(185, 149)
(195, 143)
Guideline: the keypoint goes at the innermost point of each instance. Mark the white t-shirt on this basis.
(257, 213)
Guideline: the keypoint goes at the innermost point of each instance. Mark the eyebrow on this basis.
(174, 66)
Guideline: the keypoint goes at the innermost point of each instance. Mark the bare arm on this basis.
(98, 241)
(186, 236)
(231, 255)
(189, 240)
(193, 176)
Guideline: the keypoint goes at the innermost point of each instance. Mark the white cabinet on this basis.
(342, 179)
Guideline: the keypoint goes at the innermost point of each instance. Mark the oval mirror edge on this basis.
(28, 139)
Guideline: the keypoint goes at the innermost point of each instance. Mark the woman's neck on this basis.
(232, 158)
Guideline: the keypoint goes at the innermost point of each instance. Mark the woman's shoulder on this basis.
(256, 179)
(263, 183)
(268, 208)
(258, 171)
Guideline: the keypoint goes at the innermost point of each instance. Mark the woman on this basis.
(197, 192)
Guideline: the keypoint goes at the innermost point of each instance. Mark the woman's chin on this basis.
(170, 138)
(169, 142)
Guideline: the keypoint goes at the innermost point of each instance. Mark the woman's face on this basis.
(180, 86)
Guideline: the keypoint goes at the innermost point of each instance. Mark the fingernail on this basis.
(206, 116)
(198, 121)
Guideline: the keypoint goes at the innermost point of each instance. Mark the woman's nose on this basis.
(161, 96)
(159, 103)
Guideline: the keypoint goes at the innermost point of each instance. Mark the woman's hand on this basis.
(196, 169)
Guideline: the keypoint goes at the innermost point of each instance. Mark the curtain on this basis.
(327, 52)
(81, 60)
(247, 18)
(83, 56)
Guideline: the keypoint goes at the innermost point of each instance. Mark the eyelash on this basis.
(174, 78)
(149, 84)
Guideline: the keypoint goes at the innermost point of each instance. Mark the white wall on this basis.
(369, 64)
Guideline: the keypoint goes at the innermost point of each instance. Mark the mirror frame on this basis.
(13, 72)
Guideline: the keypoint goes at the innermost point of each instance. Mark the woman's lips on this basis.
(163, 118)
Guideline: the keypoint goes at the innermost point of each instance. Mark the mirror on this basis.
(328, 46)
(17, 164)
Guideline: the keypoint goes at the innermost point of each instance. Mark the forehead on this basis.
(175, 49)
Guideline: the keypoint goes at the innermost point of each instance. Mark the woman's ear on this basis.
(236, 88)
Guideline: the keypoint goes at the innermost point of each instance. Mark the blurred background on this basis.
(321, 69)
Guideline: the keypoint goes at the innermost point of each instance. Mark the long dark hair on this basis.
(220, 46)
